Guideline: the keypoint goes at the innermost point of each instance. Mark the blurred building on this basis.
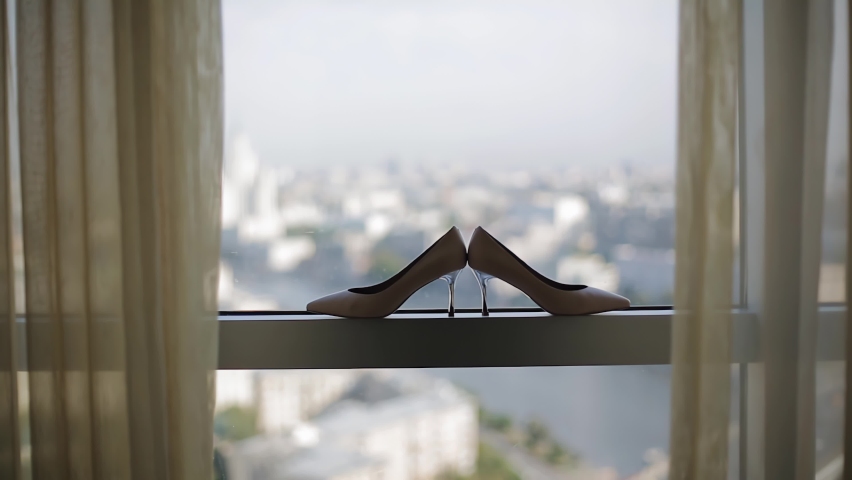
(292, 235)
(832, 283)
(332, 463)
(657, 466)
(279, 457)
(418, 434)
(234, 388)
(287, 398)
(385, 425)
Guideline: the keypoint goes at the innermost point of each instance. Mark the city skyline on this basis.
(291, 235)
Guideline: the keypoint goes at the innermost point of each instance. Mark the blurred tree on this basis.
(557, 455)
(495, 421)
(537, 433)
(490, 465)
(235, 423)
(220, 466)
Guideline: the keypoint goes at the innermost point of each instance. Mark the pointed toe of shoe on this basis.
(603, 301)
(350, 305)
(335, 304)
(620, 303)
(317, 306)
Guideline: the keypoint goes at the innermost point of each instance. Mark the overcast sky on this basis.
(479, 81)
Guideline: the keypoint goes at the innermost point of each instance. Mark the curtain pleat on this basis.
(701, 345)
(798, 55)
(147, 387)
(177, 113)
(815, 135)
(847, 443)
(120, 117)
(798, 36)
(10, 458)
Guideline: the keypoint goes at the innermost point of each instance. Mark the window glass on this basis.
(358, 132)
(593, 423)
(832, 286)
(830, 375)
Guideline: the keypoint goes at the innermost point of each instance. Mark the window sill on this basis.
(507, 338)
(510, 338)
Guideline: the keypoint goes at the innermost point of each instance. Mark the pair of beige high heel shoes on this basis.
(488, 258)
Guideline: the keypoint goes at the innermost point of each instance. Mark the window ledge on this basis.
(507, 338)
(418, 340)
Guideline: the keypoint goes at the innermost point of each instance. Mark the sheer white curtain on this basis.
(120, 130)
(707, 119)
(796, 62)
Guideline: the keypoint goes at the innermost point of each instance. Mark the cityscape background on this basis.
(359, 132)
(291, 235)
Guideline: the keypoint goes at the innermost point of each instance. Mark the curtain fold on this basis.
(817, 93)
(701, 334)
(120, 129)
(798, 62)
(798, 36)
(10, 458)
(847, 437)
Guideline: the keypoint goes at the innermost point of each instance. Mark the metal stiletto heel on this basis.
(482, 280)
(451, 283)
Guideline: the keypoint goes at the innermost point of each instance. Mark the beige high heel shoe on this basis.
(444, 259)
(488, 258)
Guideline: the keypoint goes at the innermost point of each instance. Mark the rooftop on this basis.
(354, 416)
(321, 462)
